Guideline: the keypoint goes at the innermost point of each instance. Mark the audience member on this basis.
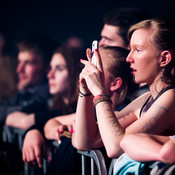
(152, 48)
(33, 58)
(63, 85)
(117, 23)
(75, 42)
(31, 96)
(115, 29)
(117, 74)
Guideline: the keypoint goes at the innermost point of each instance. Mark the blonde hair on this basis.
(163, 36)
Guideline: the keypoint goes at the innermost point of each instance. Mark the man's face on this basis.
(30, 69)
(110, 36)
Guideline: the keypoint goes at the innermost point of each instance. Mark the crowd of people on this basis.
(123, 106)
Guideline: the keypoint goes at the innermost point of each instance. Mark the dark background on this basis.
(62, 19)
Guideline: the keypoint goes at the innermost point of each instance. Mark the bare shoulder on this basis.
(159, 118)
(167, 98)
(135, 106)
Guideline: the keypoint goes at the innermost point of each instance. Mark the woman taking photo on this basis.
(152, 61)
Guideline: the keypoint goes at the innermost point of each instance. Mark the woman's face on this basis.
(58, 75)
(143, 57)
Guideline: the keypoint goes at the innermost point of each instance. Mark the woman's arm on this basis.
(20, 120)
(57, 125)
(143, 147)
(85, 128)
(157, 120)
(86, 134)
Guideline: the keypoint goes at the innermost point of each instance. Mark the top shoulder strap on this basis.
(158, 95)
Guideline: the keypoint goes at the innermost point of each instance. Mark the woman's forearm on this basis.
(143, 147)
(85, 129)
(110, 129)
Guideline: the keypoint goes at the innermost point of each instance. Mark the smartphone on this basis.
(94, 46)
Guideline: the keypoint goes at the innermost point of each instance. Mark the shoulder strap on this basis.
(158, 95)
(163, 90)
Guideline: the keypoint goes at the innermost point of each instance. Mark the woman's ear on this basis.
(116, 84)
(165, 58)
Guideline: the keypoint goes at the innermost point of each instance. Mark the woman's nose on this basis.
(129, 58)
(50, 74)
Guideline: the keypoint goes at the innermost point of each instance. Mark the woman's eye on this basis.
(138, 50)
(59, 69)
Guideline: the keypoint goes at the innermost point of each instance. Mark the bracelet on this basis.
(84, 95)
(99, 96)
(99, 99)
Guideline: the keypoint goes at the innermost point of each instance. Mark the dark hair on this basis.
(118, 67)
(163, 36)
(42, 46)
(72, 57)
(124, 18)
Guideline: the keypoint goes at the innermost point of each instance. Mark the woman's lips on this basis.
(133, 70)
(51, 84)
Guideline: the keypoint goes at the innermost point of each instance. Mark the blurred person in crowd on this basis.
(63, 85)
(34, 55)
(32, 93)
(75, 42)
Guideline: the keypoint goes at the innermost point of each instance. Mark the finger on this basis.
(70, 128)
(57, 136)
(28, 160)
(89, 54)
(48, 158)
(39, 157)
(85, 62)
(99, 61)
(31, 157)
(24, 156)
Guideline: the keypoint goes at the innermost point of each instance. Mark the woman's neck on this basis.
(156, 87)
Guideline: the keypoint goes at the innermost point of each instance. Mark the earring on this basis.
(162, 75)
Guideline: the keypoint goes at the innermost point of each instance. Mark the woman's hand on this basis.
(53, 129)
(92, 77)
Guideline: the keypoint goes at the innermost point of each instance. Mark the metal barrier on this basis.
(16, 136)
(97, 165)
(97, 162)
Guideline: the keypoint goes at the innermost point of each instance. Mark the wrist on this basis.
(84, 94)
(101, 98)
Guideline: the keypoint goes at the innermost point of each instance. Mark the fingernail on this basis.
(96, 50)
(72, 131)
(60, 132)
(59, 142)
(81, 59)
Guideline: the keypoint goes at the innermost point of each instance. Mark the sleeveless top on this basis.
(147, 105)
